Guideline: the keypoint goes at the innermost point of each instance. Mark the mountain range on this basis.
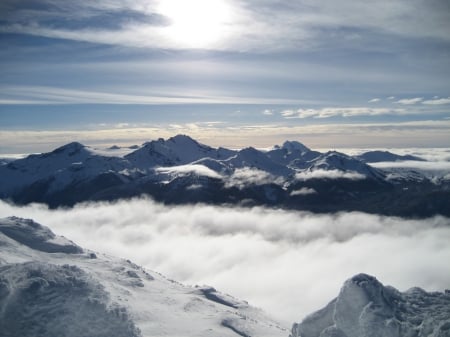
(181, 170)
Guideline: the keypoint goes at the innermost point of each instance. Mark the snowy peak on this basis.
(178, 150)
(292, 154)
(253, 159)
(292, 146)
(336, 161)
(366, 308)
(36, 236)
(71, 149)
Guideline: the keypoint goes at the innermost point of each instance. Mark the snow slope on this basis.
(75, 292)
(366, 308)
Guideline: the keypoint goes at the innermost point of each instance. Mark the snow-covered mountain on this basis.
(178, 150)
(366, 308)
(51, 287)
(381, 156)
(180, 170)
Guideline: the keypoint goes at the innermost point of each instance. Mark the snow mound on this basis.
(366, 308)
(38, 299)
(36, 236)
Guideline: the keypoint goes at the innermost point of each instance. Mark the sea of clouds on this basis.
(288, 263)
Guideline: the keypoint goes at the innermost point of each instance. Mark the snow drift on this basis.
(366, 308)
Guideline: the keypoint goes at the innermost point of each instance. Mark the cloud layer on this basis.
(289, 263)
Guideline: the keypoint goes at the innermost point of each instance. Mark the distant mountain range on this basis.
(181, 170)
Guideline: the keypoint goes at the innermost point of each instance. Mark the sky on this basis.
(227, 72)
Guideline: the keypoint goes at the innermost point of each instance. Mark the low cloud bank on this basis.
(329, 174)
(243, 177)
(188, 169)
(289, 263)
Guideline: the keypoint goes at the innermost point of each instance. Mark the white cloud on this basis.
(197, 169)
(431, 133)
(343, 112)
(437, 167)
(267, 112)
(244, 177)
(437, 101)
(55, 95)
(288, 263)
(259, 23)
(288, 113)
(374, 100)
(409, 101)
(329, 174)
(391, 97)
(304, 191)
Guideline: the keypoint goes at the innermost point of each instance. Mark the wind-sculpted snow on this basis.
(95, 295)
(366, 308)
(42, 299)
(36, 236)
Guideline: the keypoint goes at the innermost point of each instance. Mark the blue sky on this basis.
(227, 72)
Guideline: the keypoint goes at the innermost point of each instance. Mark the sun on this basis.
(195, 23)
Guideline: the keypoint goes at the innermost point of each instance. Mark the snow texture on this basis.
(366, 308)
(85, 293)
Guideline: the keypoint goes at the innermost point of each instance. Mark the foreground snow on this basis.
(51, 287)
(366, 308)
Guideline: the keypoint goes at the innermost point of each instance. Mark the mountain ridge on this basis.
(182, 170)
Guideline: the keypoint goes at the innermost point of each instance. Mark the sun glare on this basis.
(195, 23)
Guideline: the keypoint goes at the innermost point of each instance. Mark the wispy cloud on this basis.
(276, 259)
(245, 177)
(329, 174)
(199, 170)
(304, 191)
(430, 133)
(410, 101)
(40, 95)
(143, 24)
(437, 101)
(374, 100)
(343, 112)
